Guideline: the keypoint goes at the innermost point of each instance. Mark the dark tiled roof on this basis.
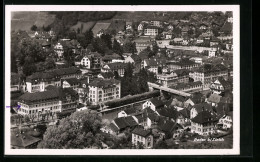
(156, 102)
(166, 125)
(58, 93)
(185, 113)
(130, 111)
(169, 112)
(186, 85)
(124, 122)
(117, 65)
(136, 58)
(66, 71)
(223, 82)
(107, 75)
(121, 123)
(182, 72)
(183, 62)
(72, 81)
(104, 83)
(41, 76)
(141, 132)
(208, 68)
(111, 57)
(148, 110)
(130, 120)
(151, 62)
(196, 97)
(153, 117)
(223, 108)
(50, 87)
(22, 140)
(205, 117)
(113, 127)
(199, 107)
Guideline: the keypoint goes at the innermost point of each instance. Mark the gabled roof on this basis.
(57, 93)
(66, 71)
(205, 117)
(151, 62)
(130, 111)
(182, 72)
(185, 113)
(203, 106)
(107, 75)
(104, 83)
(223, 108)
(117, 65)
(72, 81)
(113, 127)
(153, 117)
(166, 125)
(136, 58)
(147, 110)
(50, 87)
(156, 102)
(186, 85)
(169, 112)
(141, 132)
(223, 82)
(124, 122)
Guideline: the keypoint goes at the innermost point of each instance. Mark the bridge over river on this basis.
(169, 90)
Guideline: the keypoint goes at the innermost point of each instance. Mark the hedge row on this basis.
(131, 99)
(61, 115)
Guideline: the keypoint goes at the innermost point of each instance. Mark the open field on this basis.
(24, 20)
(85, 26)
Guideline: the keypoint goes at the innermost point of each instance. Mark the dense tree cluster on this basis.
(135, 84)
(79, 130)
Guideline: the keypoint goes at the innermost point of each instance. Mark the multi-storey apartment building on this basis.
(37, 82)
(142, 137)
(151, 31)
(183, 64)
(220, 85)
(209, 73)
(119, 67)
(104, 90)
(86, 62)
(56, 100)
(167, 80)
(151, 65)
(156, 23)
(204, 123)
(189, 87)
(183, 75)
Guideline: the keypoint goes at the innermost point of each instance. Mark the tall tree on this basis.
(89, 36)
(79, 130)
(117, 47)
(34, 28)
(107, 39)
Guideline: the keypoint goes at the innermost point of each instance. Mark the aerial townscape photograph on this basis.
(121, 80)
